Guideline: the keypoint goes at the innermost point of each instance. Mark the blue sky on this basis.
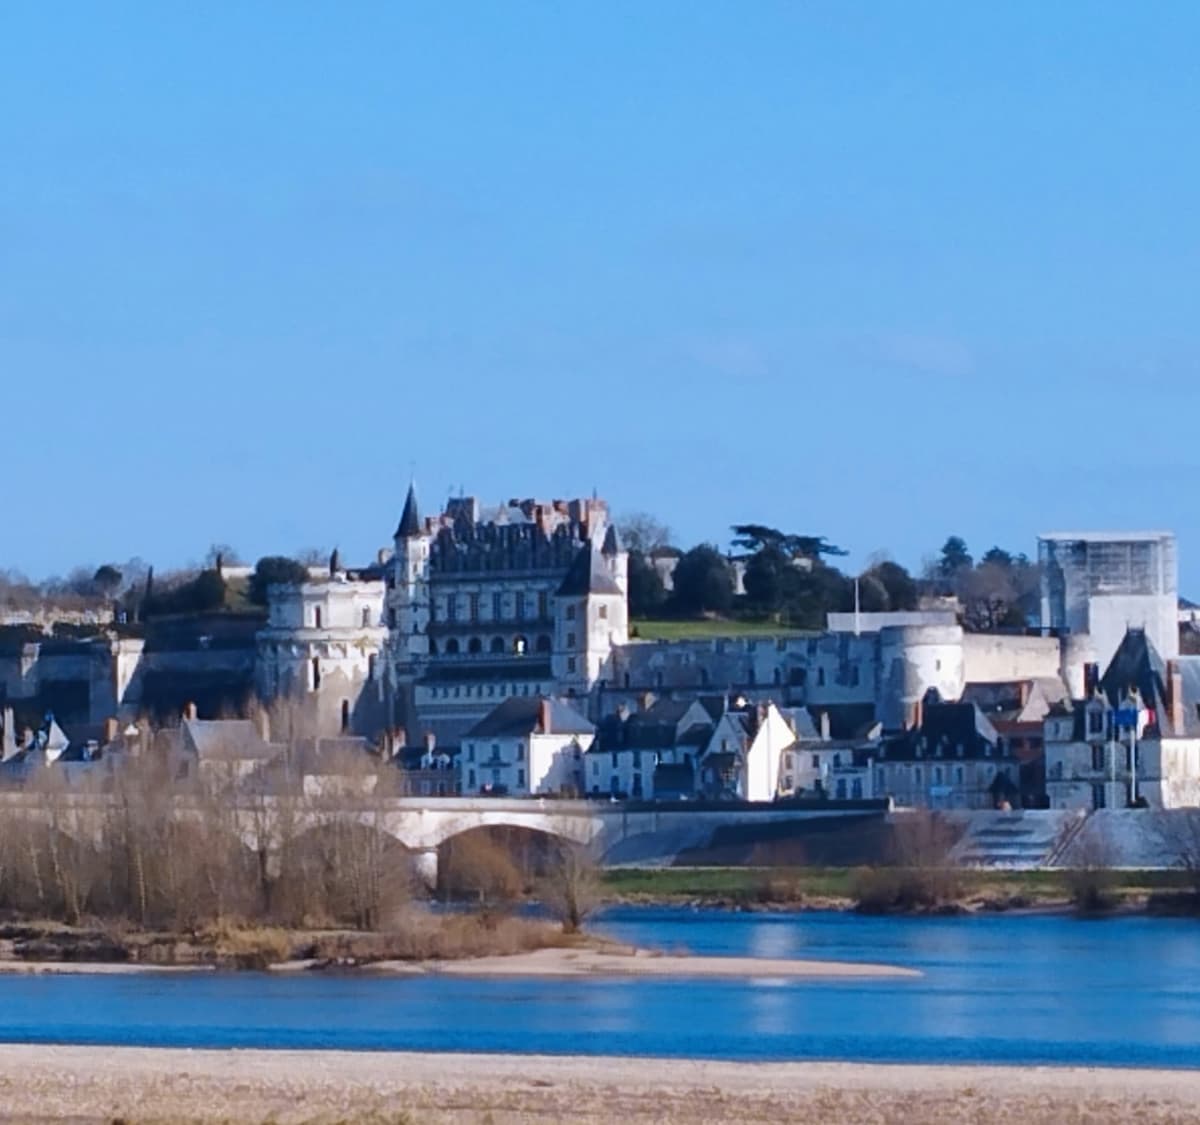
(879, 272)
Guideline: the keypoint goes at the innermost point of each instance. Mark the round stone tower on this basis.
(914, 658)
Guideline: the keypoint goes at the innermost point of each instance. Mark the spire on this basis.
(587, 575)
(410, 520)
(612, 542)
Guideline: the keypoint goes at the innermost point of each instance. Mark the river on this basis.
(995, 989)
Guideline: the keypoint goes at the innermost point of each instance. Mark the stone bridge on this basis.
(613, 832)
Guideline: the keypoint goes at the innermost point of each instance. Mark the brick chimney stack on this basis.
(544, 715)
(189, 711)
(111, 728)
(1175, 696)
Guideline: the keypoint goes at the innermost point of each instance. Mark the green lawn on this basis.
(782, 884)
(704, 628)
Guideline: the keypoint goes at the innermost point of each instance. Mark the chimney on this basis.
(262, 720)
(189, 711)
(1023, 692)
(111, 727)
(544, 715)
(824, 726)
(10, 735)
(918, 714)
(1091, 680)
(1175, 696)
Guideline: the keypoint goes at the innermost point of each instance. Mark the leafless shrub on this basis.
(571, 886)
(919, 871)
(1090, 878)
(479, 866)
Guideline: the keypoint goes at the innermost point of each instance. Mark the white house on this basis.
(744, 755)
(531, 745)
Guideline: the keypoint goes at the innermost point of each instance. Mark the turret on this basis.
(591, 616)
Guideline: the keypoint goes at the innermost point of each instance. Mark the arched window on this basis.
(316, 617)
(474, 646)
(544, 643)
(452, 647)
(520, 646)
(432, 647)
(497, 644)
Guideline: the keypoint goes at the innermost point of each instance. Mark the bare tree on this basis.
(571, 886)
(643, 533)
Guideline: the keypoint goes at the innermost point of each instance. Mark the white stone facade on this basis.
(322, 649)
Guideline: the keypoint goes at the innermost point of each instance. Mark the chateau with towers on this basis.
(525, 599)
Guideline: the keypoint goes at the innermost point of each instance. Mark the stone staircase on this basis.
(1019, 840)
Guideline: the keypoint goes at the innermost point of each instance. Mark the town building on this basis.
(952, 758)
(1134, 739)
(529, 746)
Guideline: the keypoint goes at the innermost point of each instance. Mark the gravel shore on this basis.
(137, 1086)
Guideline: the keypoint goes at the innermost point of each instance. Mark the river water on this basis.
(1124, 991)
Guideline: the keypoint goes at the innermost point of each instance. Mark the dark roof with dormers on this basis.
(410, 518)
(588, 575)
(1135, 664)
(520, 717)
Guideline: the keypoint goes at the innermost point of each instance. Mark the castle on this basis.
(474, 606)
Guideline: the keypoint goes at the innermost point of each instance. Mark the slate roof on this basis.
(612, 541)
(947, 726)
(521, 716)
(1136, 664)
(588, 575)
(410, 518)
(226, 739)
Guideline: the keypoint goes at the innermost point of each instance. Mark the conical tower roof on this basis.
(612, 541)
(588, 575)
(410, 518)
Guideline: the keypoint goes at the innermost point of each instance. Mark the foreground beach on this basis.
(137, 1085)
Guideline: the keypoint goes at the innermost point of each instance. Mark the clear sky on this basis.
(881, 272)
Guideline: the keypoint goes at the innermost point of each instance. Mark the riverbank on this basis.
(140, 1085)
(841, 889)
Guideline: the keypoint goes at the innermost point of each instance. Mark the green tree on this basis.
(766, 579)
(755, 537)
(274, 570)
(703, 582)
(900, 588)
(107, 580)
(646, 591)
(955, 557)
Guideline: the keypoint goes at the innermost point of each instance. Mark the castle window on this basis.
(820, 677)
(391, 618)
(543, 604)
(432, 647)
(470, 779)
(520, 607)
(570, 615)
(602, 613)
(497, 607)
(472, 607)
(474, 646)
(570, 664)
(370, 666)
(570, 640)
(497, 644)
(366, 617)
(345, 715)
(316, 617)
(451, 607)
(316, 674)
(452, 647)
(777, 676)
